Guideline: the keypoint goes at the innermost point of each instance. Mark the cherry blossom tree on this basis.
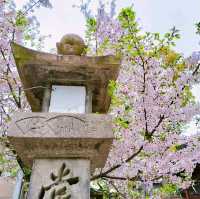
(20, 26)
(151, 100)
(151, 104)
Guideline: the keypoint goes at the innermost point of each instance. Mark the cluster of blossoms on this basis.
(15, 26)
(108, 28)
(21, 27)
(194, 63)
(150, 108)
(150, 148)
(8, 76)
(194, 59)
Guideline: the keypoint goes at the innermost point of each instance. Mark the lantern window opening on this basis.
(67, 99)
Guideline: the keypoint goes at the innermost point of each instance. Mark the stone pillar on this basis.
(7, 185)
(62, 150)
(64, 178)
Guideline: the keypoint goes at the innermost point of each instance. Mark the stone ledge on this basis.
(53, 135)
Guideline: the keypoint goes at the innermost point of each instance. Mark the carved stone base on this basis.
(60, 178)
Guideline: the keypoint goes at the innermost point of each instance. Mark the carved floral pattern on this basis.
(60, 124)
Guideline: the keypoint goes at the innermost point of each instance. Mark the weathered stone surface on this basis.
(53, 135)
(65, 178)
(7, 185)
(2, 148)
(37, 70)
(71, 44)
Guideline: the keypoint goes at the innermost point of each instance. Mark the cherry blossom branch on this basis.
(187, 194)
(196, 70)
(115, 177)
(193, 74)
(17, 100)
(144, 88)
(121, 178)
(104, 174)
(8, 66)
(162, 117)
(31, 7)
(4, 111)
(115, 187)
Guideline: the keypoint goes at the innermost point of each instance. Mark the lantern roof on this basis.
(38, 70)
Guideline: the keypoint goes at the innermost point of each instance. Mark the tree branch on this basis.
(104, 174)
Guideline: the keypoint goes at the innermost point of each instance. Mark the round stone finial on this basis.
(71, 44)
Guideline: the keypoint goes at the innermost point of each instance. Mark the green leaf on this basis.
(21, 20)
(169, 188)
(122, 122)
(112, 86)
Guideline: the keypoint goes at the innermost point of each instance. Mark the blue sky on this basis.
(153, 15)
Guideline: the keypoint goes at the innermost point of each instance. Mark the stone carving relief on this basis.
(32, 124)
(60, 125)
(60, 186)
(66, 124)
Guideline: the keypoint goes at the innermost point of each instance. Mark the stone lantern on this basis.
(68, 133)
